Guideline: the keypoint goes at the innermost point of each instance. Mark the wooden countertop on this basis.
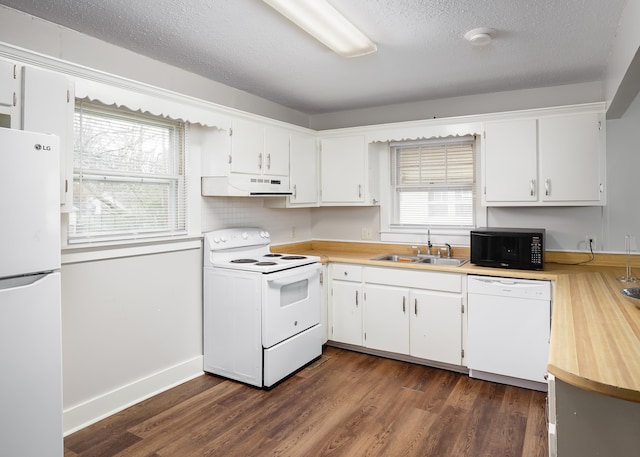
(595, 331)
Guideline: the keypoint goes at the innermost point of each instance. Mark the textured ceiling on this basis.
(422, 54)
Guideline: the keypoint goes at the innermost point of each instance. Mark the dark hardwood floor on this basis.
(345, 404)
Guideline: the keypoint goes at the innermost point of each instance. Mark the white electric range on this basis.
(261, 309)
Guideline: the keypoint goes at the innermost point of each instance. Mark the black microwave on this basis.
(517, 248)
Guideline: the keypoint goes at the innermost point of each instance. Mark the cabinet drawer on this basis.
(417, 279)
(346, 272)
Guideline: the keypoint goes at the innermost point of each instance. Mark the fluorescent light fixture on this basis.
(322, 21)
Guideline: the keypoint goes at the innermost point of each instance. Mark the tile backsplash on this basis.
(284, 225)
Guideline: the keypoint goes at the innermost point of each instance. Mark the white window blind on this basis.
(129, 175)
(432, 183)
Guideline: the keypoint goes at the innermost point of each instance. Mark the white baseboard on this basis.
(98, 408)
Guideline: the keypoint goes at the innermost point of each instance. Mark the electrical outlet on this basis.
(366, 233)
(590, 242)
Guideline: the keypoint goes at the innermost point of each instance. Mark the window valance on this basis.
(153, 101)
(424, 130)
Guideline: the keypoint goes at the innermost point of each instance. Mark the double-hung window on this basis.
(128, 175)
(432, 184)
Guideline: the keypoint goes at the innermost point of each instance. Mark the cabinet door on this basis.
(436, 326)
(342, 170)
(570, 153)
(276, 151)
(48, 106)
(510, 161)
(247, 147)
(304, 170)
(386, 318)
(346, 312)
(8, 75)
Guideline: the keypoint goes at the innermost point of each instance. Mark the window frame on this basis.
(418, 234)
(176, 181)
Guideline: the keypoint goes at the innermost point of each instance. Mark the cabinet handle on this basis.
(260, 161)
(295, 191)
(356, 298)
(532, 187)
(359, 190)
(269, 161)
(547, 186)
(404, 303)
(15, 99)
(415, 306)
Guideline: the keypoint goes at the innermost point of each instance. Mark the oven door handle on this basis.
(278, 283)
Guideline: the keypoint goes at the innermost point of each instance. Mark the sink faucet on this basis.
(429, 245)
(448, 246)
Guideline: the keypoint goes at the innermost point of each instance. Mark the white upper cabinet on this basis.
(303, 173)
(304, 170)
(259, 149)
(8, 83)
(347, 176)
(48, 105)
(510, 161)
(551, 160)
(9, 94)
(572, 158)
(277, 145)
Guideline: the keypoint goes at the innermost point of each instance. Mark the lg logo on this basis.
(41, 147)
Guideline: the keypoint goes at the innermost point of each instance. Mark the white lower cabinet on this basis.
(386, 318)
(436, 326)
(417, 313)
(345, 303)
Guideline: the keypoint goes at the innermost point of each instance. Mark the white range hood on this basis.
(245, 185)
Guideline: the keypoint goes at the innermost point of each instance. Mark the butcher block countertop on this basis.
(595, 331)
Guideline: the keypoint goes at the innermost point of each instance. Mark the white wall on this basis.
(131, 326)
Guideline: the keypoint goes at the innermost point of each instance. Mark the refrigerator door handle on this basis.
(22, 281)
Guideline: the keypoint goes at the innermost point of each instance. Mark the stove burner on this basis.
(293, 257)
(272, 255)
(244, 261)
(266, 264)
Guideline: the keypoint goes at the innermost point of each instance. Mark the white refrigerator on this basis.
(30, 311)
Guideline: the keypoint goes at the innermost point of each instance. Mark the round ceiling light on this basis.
(479, 37)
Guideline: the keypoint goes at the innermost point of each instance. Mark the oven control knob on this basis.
(216, 239)
(223, 239)
(245, 235)
(264, 234)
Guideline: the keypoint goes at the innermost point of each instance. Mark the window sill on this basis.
(104, 251)
(457, 237)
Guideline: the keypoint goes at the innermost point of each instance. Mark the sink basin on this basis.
(397, 258)
(445, 261)
(432, 260)
(633, 293)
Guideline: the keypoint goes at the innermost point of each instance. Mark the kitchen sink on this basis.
(397, 258)
(431, 260)
(445, 261)
(633, 293)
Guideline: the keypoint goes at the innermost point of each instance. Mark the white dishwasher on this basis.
(508, 329)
